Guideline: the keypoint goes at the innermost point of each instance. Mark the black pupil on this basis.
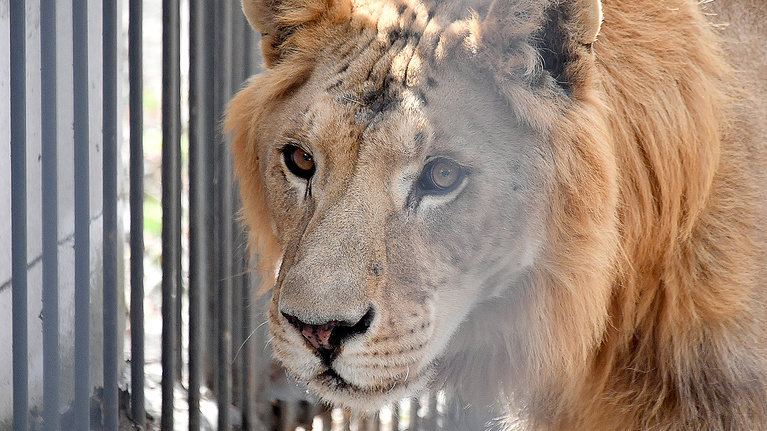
(444, 175)
(299, 162)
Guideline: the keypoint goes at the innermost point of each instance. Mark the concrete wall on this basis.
(65, 203)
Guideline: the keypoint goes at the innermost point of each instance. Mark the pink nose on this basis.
(319, 336)
(326, 338)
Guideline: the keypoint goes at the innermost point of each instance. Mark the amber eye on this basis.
(299, 162)
(441, 176)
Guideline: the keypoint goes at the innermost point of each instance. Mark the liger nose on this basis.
(327, 338)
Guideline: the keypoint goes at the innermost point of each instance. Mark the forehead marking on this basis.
(393, 57)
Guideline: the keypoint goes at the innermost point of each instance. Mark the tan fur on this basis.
(602, 264)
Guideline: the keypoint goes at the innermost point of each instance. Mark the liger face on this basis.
(402, 195)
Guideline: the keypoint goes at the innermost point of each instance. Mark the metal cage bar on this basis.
(240, 299)
(19, 215)
(171, 207)
(244, 301)
(223, 204)
(135, 53)
(110, 238)
(200, 190)
(81, 405)
(49, 150)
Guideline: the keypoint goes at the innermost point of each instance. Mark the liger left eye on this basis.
(441, 176)
(299, 162)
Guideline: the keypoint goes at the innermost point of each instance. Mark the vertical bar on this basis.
(241, 318)
(136, 210)
(110, 312)
(395, 416)
(372, 422)
(179, 330)
(455, 414)
(240, 27)
(240, 329)
(249, 315)
(327, 419)
(81, 404)
(430, 422)
(50, 297)
(19, 214)
(238, 305)
(262, 356)
(224, 386)
(200, 180)
(347, 421)
(251, 336)
(287, 415)
(252, 50)
(223, 168)
(171, 204)
(414, 418)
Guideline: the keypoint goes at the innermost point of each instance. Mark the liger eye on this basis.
(299, 162)
(441, 176)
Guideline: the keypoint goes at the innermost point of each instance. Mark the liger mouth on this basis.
(332, 379)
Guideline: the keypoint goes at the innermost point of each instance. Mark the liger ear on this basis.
(560, 31)
(279, 21)
(587, 20)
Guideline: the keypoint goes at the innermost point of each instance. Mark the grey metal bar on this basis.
(371, 423)
(19, 215)
(252, 51)
(239, 28)
(327, 420)
(347, 421)
(430, 421)
(81, 404)
(395, 416)
(414, 418)
(224, 383)
(109, 199)
(241, 322)
(287, 415)
(171, 207)
(224, 204)
(136, 210)
(50, 296)
(237, 365)
(200, 189)
(239, 377)
(245, 345)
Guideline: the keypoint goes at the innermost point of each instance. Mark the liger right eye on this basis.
(299, 162)
(441, 176)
